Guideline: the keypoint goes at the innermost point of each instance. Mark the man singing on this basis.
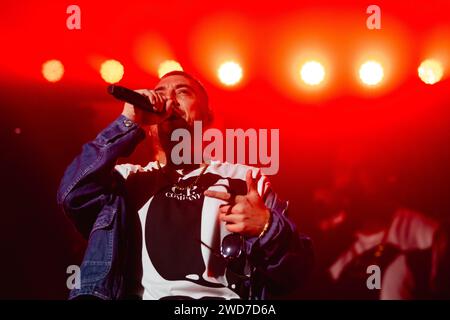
(177, 231)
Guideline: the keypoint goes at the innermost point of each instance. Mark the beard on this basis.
(167, 127)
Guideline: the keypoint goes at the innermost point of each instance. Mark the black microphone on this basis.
(132, 97)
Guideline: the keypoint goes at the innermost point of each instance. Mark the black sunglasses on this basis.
(231, 248)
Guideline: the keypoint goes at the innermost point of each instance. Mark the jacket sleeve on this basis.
(89, 181)
(282, 259)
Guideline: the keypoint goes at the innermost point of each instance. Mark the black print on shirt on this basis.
(173, 238)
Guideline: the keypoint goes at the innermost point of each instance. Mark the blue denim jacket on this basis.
(92, 194)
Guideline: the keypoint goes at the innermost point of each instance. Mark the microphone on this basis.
(132, 97)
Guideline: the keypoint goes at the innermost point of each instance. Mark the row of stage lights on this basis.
(230, 73)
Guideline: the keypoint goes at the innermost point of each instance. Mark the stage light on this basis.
(312, 73)
(430, 71)
(168, 66)
(111, 71)
(371, 73)
(53, 70)
(230, 73)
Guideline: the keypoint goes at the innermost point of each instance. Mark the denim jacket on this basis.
(92, 194)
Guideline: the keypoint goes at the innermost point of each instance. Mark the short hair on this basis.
(204, 94)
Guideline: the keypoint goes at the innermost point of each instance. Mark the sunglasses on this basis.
(231, 248)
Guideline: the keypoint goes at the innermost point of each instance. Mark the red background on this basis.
(402, 126)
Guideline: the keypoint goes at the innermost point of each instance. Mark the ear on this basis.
(153, 131)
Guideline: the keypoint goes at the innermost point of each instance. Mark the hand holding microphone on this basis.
(145, 107)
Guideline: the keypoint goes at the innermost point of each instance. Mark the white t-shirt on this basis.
(174, 224)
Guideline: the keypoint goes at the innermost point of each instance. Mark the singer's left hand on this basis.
(245, 214)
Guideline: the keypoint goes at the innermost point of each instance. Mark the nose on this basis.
(171, 101)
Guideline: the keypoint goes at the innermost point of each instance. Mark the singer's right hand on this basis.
(148, 118)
